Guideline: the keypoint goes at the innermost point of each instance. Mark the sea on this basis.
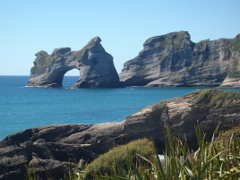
(23, 107)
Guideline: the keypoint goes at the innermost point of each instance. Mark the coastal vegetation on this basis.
(234, 74)
(138, 160)
(216, 99)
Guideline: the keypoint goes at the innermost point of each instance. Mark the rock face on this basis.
(174, 60)
(51, 150)
(94, 63)
(232, 82)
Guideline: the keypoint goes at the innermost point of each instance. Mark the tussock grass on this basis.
(215, 98)
(124, 161)
(217, 159)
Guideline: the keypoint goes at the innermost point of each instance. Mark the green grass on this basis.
(235, 74)
(218, 159)
(123, 161)
(142, 71)
(160, 106)
(45, 61)
(214, 98)
(236, 45)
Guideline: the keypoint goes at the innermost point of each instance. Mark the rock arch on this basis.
(94, 63)
(70, 78)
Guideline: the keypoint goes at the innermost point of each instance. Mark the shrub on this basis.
(218, 159)
(123, 161)
(215, 98)
(234, 74)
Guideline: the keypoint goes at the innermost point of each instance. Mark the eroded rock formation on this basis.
(94, 63)
(51, 150)
(174, 60)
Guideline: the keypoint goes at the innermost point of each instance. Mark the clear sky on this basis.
(27, 26)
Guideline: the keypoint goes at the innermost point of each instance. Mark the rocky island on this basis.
(167, 60)
(94, 63)
(52, 150)
(174, 60)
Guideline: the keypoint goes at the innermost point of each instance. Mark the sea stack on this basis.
(94, 63)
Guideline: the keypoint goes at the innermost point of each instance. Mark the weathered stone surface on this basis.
(174, 60)
(231, 82)
(94, 63)
(58, 147)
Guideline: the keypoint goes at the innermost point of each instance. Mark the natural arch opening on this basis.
(70, 78)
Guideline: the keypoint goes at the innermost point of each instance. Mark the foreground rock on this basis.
(52, 150)
(174, 60)
(94, 63)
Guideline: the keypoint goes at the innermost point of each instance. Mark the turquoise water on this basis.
(22, 108)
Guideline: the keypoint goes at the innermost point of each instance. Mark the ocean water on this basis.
(22, 107)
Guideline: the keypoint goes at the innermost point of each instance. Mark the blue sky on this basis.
(28, 26)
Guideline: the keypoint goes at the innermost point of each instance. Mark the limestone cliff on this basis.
(51, 150)
(94, 63)
(174, 60)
